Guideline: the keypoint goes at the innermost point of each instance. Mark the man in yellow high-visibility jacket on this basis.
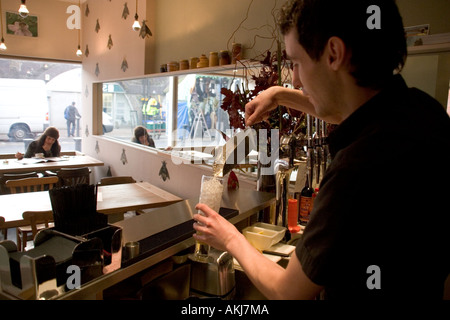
(150, 109)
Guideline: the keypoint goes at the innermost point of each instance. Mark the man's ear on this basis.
(337, 53)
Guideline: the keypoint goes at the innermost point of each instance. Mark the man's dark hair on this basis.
(376, 53)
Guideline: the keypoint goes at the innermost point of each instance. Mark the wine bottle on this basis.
(306, 201)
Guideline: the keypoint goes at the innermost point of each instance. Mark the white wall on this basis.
(54, 41)
(181, 29)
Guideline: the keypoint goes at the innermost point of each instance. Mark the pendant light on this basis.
(2, 43)
(23, 10)
(136, 24)
(79, 52)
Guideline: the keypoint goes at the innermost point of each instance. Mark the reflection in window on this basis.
(144, 102)
(199, 114)
(149, 102)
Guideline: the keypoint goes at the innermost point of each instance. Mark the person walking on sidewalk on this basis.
(71, 114)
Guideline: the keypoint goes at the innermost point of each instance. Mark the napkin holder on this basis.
(50, 268)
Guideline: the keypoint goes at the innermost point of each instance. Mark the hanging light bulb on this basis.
(2, 42)
(136, 25)
(79, 52)
(2, 45)
(23, 10)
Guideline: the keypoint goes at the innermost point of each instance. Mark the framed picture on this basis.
(414, 34)
(16, 25)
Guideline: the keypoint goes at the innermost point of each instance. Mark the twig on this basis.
(239, 26)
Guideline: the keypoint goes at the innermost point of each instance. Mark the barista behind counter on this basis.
(141, 136)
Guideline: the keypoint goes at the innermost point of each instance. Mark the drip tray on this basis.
(169, 237)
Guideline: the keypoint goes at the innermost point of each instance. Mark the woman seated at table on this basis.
(47, 144)
(141, 137)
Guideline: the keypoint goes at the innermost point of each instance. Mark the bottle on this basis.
(306, 202)
(293, 216)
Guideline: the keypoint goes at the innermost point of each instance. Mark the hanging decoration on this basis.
(123, 158)
(86, 51)
(110, 43)
(145, 31)
(97, 70)
(109, 173)
(86, 132)
(97, 26)
(86, 12)
(124, 66)
(97, 147)
(125, 12)
(163, 172)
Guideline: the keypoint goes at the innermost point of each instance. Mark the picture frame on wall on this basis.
(415, 34)
(16, 25)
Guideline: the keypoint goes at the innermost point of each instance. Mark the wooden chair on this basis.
(4, 190)
(14, 176)
(73, 176)
(38, 220)
(31, 184)
(68, 153)
(7, 156)
(2, 221)
(107, 181)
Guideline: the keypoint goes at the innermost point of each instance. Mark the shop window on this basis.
(177, 111)
(34, 95)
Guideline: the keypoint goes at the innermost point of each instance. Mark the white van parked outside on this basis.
(23, 108)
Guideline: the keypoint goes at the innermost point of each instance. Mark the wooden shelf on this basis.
(429, 48)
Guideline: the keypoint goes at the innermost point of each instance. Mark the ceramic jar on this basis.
(194, 61)
(224, 58)
(213, 59)
(203, 62)
(236, 52)
(184, 65)
(172, 66)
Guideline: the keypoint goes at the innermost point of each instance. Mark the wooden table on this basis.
(32, 164)
(111, 200)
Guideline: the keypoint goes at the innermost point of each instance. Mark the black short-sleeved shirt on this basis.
(382, 213)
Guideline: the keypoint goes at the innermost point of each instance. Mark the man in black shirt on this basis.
(379, 224)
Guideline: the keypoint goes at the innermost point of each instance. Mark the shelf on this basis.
(429, 48)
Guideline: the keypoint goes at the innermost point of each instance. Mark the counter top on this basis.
(247, 202)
